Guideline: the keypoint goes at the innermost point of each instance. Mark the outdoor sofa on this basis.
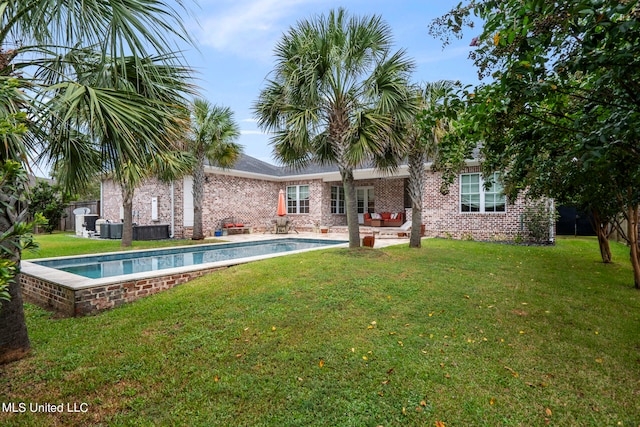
(384, 219)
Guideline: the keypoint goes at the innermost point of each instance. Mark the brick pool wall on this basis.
(81, 302)
(47, 295)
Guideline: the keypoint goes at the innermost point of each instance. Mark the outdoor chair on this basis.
(402, 231)
(280, 225)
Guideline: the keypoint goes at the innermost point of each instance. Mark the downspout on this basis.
(101, 199)
(173, 215)
(552, 223)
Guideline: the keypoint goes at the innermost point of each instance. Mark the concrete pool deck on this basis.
(73, 295)
(380, 241)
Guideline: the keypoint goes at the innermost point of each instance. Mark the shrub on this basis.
(539, 218)
(49, 201)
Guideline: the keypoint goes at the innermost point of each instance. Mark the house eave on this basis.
(330, 176)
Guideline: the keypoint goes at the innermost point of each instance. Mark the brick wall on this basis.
(254, 201)
(50, 296)
(389, 193)
(81, 302)
(442, 217)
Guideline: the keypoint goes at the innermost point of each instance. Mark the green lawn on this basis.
(458, 332)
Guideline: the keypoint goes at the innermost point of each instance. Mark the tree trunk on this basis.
(602, 231)
(416, 193)
(198, 196)
(14, 339)
(632, 234)
(352, 207)
(127, 226)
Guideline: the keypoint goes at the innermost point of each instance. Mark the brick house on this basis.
(249, 192)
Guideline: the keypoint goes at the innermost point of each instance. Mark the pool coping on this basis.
(72, 295)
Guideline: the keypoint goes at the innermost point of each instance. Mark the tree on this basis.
(213, 132)
(14, 340)
(564, 97)
(47, 200)
(163, 91)
(166, 166)
(336, 93)
(55, 52)
(433, 122)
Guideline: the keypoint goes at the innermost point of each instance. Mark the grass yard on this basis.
(457, 333)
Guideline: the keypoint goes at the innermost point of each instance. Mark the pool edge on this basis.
(72, 295)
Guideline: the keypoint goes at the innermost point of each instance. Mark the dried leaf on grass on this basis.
(514, 373)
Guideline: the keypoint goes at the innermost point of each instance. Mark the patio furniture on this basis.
(403, 231)
(384, 219)
(284, 225)
(234, 225)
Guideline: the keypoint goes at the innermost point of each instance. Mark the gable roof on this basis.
(252, 165)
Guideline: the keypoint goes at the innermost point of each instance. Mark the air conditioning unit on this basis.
(85, 222)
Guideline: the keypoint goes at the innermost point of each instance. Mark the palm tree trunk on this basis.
(198, 195)
(416, 193)
(127, 226)
(352, 207)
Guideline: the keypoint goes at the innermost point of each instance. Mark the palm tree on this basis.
(213, 132)
(166, 166)
(423, 137)
(61, 55)
(336, 91)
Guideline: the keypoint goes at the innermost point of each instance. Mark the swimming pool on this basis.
(123, 263)
(76, 286)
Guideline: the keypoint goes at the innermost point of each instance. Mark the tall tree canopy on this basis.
(438, 106)
(562, 115)
(336, 92)
(97, 85)
(213, 135)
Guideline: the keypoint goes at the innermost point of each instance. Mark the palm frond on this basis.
(135, 27)
(335, 78)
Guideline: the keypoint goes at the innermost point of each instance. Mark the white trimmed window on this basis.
(481, 195)
(298, 199)
(337, 200)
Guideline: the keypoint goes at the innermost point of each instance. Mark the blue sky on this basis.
(236, 38)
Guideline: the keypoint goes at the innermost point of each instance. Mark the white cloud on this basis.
(253, 132)
(247, 27)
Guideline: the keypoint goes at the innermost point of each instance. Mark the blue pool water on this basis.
(108, 265)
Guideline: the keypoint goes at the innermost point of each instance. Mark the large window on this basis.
(366, 200)
(481, 195)
(337, 200)
(298, 199)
